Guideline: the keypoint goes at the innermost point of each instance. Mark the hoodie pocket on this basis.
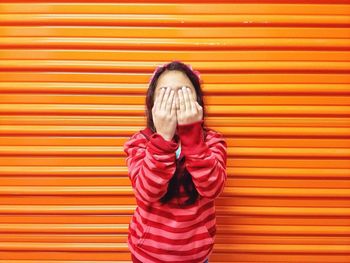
(144, 235)
(210, 235)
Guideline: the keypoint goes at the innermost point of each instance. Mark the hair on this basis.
(186, 180)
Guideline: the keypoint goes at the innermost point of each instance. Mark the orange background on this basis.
(276, 82)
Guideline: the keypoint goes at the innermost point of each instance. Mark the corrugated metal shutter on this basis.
(73, 82)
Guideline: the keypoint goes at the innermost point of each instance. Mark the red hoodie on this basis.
(167, 232)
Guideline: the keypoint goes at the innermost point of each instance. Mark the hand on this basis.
(164, 113)
(188, 109)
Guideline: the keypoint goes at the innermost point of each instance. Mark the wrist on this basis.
(192, 138)
(165, 137)
(159, 144)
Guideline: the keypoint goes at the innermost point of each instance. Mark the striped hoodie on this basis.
(167, 232)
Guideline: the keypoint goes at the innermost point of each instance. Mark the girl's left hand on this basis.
(188, 109)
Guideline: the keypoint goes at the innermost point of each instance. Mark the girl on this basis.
(177, 168)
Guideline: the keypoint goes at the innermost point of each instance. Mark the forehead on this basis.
(174, 79)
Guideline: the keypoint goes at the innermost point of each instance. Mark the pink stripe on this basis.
(172, 236)
(209, 222)
(168, 223)
(199, 238)
(181, 247)
(168, 213)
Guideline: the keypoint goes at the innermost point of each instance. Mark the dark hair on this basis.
(186, 179)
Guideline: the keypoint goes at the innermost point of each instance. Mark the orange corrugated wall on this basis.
(276, 82)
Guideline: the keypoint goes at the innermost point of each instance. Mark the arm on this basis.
(205, 159)
(151, 164)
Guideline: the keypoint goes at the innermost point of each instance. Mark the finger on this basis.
(178, 111)
(159, 98)
(182, 105)
(199, 107)
(192, 100)
(173, 107)
(170, 101)
(187, 99)
(165, 98)
(177, 104)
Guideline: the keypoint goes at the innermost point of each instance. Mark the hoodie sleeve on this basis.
(205, 159)
(151, 164)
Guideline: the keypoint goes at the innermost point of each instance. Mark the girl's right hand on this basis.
(164, 113)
